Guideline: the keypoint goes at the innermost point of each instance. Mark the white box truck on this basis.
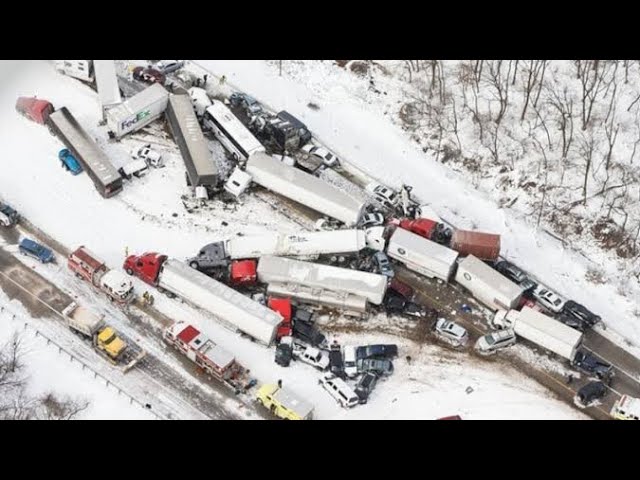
(138, 111)
(542, 330)
(296, 244)
(303, 188)
(421, 255)
(487, 285)
(285, 270)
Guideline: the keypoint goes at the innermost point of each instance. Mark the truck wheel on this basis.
(129, 271)
(260, 402)
(194, 265)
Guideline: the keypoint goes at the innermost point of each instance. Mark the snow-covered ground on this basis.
(48, 370)
(356, 123)
(149, 215)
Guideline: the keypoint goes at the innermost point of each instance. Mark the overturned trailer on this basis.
(350, 304)
(314, 193)
(138, 111)
(185, 128)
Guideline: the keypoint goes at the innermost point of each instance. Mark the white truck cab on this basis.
(238, 182)
(151, 157)
(137, 168)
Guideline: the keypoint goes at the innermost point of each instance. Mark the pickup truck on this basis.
(312, 356)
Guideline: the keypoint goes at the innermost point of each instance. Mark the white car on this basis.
(548, 299)
(387, 197)
(339, 390)
(328, 158)
(494, 341)
(452, 333)
(312, 356)
(169, 66)
(151, 157)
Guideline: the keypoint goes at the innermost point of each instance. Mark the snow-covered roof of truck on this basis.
(141, 100)
(488, 275)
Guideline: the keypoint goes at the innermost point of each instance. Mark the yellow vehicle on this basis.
(284, 403)
(627, 408)
(109, 342)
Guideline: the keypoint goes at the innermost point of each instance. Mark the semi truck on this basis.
(107, 83)
(542, 330)
(232, 308)
(317, 276)
(296, 244)
(88, 266)
(427, 228)
(421, 255)
(95, 162)
(303, 188)
(105, 339)
(201, 169)
(138, 111)
(34, 109)
(487, 285)
(485, 246)
(209, 356)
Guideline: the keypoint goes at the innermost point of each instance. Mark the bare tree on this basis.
(500, 83)
(587, 146)
(593, 75)
(563, 105)
(532, 74)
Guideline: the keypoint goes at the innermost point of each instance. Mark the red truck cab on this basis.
(243, 272)
(85, 264)
(146, 266)
(283, 307)
(420, 226)
(34, 109)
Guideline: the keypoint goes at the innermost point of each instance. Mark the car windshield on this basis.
(490, 339)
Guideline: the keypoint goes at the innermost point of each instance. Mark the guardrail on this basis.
(4, 309)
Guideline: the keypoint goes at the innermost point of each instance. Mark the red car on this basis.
(148, 75)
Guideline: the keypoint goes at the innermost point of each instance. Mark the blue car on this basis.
(69, 162)
(35, 250)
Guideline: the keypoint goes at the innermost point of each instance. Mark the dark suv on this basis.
(377, 351)
(591, 392)
(581, 313)
(365, 386)
(308, 333)
(590, 365)
(210, 256)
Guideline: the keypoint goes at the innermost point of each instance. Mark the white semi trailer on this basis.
(487, 285)
(138, 111)
(542, 330)
(314, 193)
(296, 244)
(421, 255)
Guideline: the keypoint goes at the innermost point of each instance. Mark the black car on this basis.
(302, 315)
(591, 392)
(308, 333)
(377, 351)
(394, 303)
(284, 354)
(591, 365)
(336, 363)
(581, 313)
(365, 386)
(510, 271)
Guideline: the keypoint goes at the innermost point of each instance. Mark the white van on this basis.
(238, 182)
(349, 356)
(627, 408)
(339, 390)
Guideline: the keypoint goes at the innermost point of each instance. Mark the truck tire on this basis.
(194, 265)
(170, 294)
(129, 271)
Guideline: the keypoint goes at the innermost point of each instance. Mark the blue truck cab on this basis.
(69, 162)
(35, 250)
(8, 216)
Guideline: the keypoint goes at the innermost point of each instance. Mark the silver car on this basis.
(451, 332)
(384, 265)
(494, 341)
(549, 299)
(169, 66)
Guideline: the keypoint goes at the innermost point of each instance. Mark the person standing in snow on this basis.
(223, 79)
